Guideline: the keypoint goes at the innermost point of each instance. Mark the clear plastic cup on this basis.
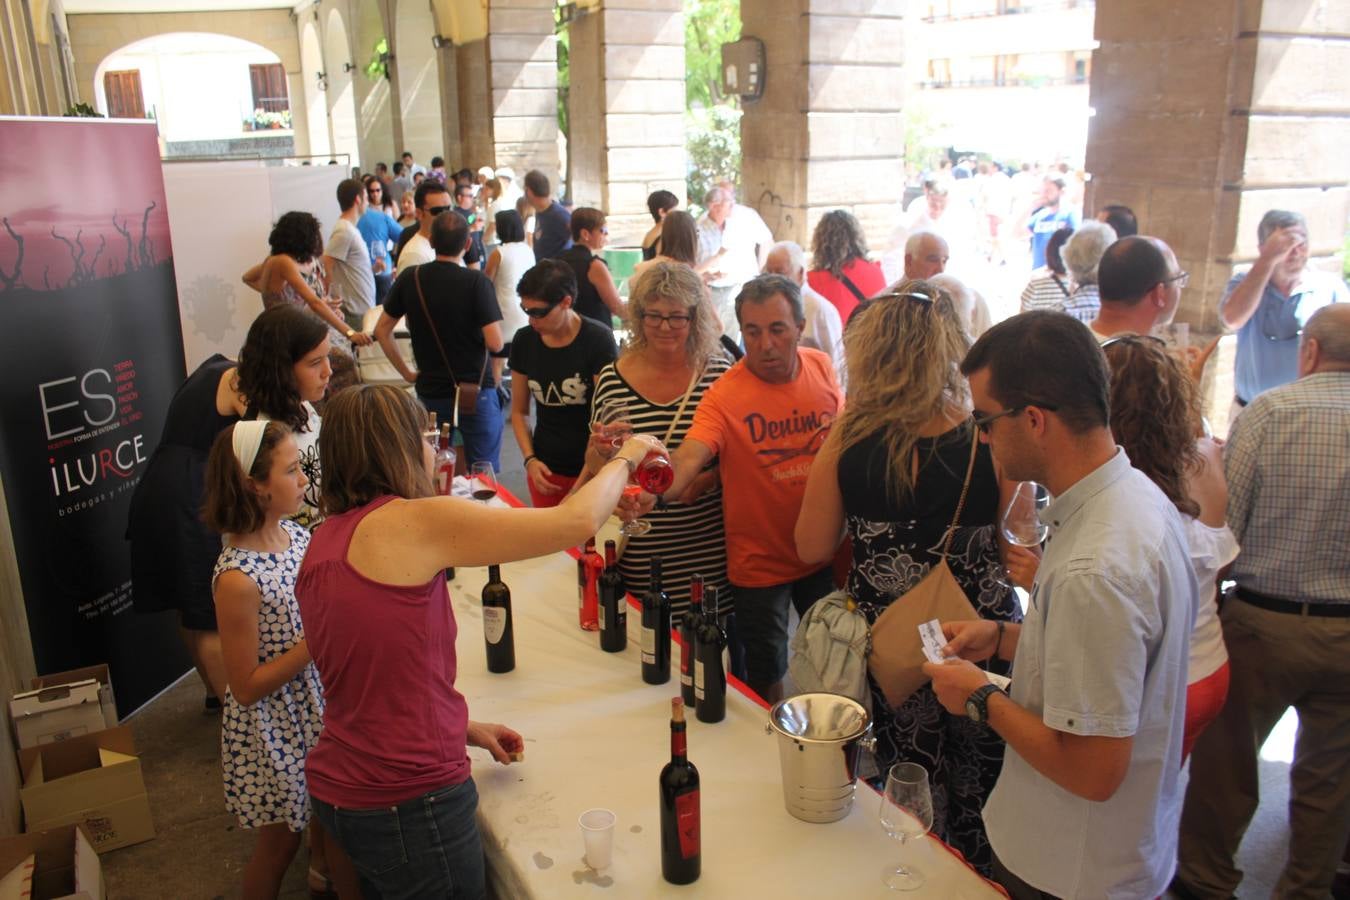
(597, 830)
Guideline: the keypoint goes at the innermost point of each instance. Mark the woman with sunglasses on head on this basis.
(389, 777)
(555, 362)
(892, 475)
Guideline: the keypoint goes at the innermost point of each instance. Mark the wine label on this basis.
(601, 615)
(494, 623)
(687, 823)
(699, 684)
(685, 678)
(649, 645)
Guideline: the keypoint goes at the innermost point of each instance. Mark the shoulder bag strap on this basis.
(417, 280)
(1062, 286)
(848, 283)
(965, 489)
(684, 401)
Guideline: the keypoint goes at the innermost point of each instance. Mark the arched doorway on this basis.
(316, 103)
(341, 92)
(211, 94)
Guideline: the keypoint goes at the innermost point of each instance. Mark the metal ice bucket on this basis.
(819, 738)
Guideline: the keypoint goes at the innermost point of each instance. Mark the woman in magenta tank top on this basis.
(389, 777)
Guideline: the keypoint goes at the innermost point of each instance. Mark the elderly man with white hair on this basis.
(824, 328)
(968, 302)
(926, 255)
(746, 240)
(1082, 254)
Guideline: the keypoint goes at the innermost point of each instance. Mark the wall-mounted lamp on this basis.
(323, 80)
(438, 42)
(347, 67)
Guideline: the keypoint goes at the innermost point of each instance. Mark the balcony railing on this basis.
(1049, 6)
(1023, 81)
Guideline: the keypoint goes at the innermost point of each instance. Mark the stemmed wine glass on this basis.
(1021, 523)
(615, 421)
(906, 815)
(483, 482)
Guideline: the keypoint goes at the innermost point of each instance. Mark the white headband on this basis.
(247, 439)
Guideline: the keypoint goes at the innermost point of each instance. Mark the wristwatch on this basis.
(977, 704)
(351, 333)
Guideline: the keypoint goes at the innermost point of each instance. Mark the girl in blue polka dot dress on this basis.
(274, 708)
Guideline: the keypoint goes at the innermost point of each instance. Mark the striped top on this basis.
(1046, 292)
(689, 538)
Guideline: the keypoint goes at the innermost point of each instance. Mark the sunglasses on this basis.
(983, 422)
(1132, 339)
(905, 295)
(437, 210)
(539, 312)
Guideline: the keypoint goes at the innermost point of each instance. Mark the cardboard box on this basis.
(57, 713)
(94, 780)
(100, 674)
(64, 866)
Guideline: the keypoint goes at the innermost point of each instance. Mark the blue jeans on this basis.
(427, 847)
(482, 431)
(762, 624)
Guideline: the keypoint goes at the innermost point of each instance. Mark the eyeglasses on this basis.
(539, 312)
(1133, 339)
(1181, 278)
(676, 322)
(1279, 321)
(437, 210)
(983, 422)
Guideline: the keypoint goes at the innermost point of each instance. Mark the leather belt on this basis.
(1275, 604)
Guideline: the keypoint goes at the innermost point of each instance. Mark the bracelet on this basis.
(631, 463)
(528, 458)
(999, 645)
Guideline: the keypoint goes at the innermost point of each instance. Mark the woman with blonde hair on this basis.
(392, 758)
(672, 357)
(892, 475)
(840, 270)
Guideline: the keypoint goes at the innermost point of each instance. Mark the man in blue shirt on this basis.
(1049, 219)
(1269, 304)
(552, 222)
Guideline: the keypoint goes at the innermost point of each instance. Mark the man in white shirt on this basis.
(746, 239)
(1087, 802)
(433, 198)
(824, 329)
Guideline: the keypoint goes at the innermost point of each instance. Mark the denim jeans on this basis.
(427, 847)
(482, 431)
(762, 624)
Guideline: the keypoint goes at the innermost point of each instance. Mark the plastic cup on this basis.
(597, 830)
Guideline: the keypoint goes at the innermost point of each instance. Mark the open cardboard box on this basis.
(57, 713)
(94, 780)
(58, 864)
(98, 673)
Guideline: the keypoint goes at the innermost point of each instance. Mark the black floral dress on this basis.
(894, 546)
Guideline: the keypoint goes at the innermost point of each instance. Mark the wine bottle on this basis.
(681, 857)
(444, 467)
(499, 633)
(613, 604)
(593, 565)
(655, 473)
(689, 639)
(710, 677)
(655, 630)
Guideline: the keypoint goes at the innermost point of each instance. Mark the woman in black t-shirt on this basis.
(555, 361)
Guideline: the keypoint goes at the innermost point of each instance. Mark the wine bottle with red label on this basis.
(681, 854)
(710, 675)
(499, 633)
(689, 639)
(613, 604)
(655, 630)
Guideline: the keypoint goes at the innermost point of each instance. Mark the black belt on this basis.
(1275, 604)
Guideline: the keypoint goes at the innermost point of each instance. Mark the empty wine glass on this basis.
(1021, 522)
(906, 815)
(615, 421)
(483, 482)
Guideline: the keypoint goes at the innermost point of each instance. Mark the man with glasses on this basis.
(764, 420)
(1087, 802)
(432, 199)
(464, 207)
(596, 297)
(1140, 286)
(1287, 627)
(1269, 304)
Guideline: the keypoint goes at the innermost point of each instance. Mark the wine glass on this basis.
(634, 527)
(906, 815)
(615, 421)
(1021, 523)
(483, 481)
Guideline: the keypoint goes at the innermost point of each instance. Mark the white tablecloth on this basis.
(597, 736)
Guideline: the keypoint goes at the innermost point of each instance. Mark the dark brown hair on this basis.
(586, 218)
(1155, 414)
(230, 504)
(370, 446)
(679, 237)
(278, 339)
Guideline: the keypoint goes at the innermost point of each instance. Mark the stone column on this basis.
(1202, 123)
(518, 108)
(827, 133)
(627, 110)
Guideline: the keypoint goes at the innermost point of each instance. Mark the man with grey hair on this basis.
(1270, 303)
(926, 255)
(764, 420)
(1287, 626)
(824, 329)
(1082, 253)
(742, 234)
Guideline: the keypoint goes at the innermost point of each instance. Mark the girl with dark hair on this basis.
(283, 369)
(659, 204)
(377, 614)
(274, 707)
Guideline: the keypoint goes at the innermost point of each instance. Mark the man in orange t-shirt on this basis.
(764, 420)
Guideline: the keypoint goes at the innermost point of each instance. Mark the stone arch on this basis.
(316, 104)
(341, 91)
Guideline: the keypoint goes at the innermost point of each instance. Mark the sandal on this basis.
(320, 886)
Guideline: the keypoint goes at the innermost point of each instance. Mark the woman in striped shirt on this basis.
(1048, 287)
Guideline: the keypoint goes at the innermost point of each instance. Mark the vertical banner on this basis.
(91, 352)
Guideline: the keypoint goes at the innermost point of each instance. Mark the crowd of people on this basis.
(828, 422)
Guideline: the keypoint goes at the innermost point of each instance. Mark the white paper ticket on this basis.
(930, 633)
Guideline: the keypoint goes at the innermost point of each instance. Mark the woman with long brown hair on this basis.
(392, 758)
(892, 475)
(840, 270)
(678, 244)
